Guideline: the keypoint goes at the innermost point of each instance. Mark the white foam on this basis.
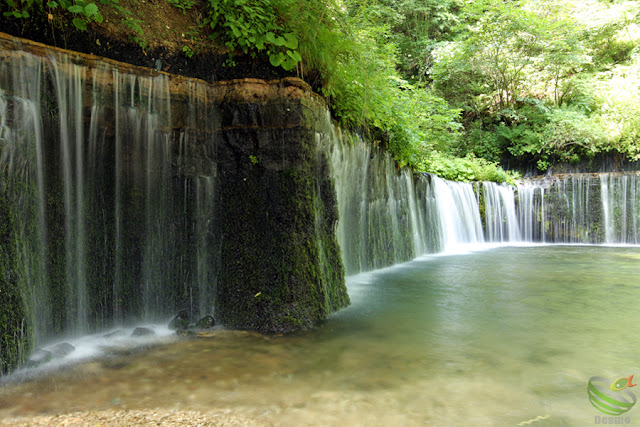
(98, 345)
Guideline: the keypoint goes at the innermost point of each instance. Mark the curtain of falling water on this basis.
(114, 224)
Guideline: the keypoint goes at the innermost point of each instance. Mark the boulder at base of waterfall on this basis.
(38, 358)
(61, 350)
(181, 321)
(206, 322)
(142, 332)
(116, 333)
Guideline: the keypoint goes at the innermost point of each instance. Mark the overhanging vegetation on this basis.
(450, 86)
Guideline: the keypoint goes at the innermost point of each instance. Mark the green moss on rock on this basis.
(14, 328)
(281, 268)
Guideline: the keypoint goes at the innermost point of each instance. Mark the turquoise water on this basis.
(514, 332)
(497, 337)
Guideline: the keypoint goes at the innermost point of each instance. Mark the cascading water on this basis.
(580, 208)
(22, 163)
(109, 229)
(376, 226)
(500, 213)
(116, 193)
(458, 214)
(389, 216)
(528, 205)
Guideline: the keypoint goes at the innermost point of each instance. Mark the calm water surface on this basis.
(497, 337)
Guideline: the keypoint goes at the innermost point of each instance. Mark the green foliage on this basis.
(571, 133)
(481, 143)
(616, 95)
(188, 51)
(509, 47)
(183, 5)
(357, 61)
(609, 29)
(20, 9)
(253, 26)
(195, 38)
(420, 122)
(544, 82)
(536, 81)
(134, 25)
(468, 168)
(415, 28)
(80, 12)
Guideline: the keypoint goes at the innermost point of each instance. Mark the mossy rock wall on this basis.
(194, 195)
(280, 267)
(15, 339)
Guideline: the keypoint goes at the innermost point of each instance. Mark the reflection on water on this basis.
(497, 337)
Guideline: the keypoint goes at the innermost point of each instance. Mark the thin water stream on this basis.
(495, 337)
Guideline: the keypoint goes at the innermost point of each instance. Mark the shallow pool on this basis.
(507, 336)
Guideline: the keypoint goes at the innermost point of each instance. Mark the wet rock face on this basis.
(222, 200)
(115, 334)
(205, 323)
(181, 325)
(61, 350)
(280, 264)
(181, 321)
(142, 332)
(15, 330)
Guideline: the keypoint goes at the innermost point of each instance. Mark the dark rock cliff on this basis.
(268, 224)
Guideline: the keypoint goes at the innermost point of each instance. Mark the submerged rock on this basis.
(62, 349)
(116, 333)
(38, 357)
(206, 322)
(181, 321)
(142, 332)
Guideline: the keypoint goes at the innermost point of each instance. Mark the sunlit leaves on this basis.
(81, 12)
(253, 25)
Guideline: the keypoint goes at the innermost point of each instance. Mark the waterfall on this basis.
(388, 215)
(581, 208)
(111, 226)
(116, 183)
(607, 219)
(22, 144)
(458, 214)
(378, 220)
(70, 116)
(500, 213)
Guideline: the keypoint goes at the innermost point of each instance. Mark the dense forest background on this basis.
(459, 88)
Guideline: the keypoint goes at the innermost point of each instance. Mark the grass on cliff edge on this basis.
(346, 57)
